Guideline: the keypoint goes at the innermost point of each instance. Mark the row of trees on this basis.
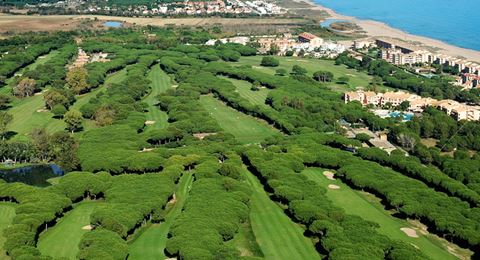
(341, 236)
(216, 207)
(38, 209)
(412, 167)
(445, 215)
(59, 147)
(50, 73)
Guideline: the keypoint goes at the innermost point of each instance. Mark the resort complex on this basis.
(233, 130)
(306, 44)
(414, 102)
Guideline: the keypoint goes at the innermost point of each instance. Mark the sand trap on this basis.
(333, 187)
(149, 122)
(410, 232)
(202, 135)
(87, 227)
(42, 110)
(329, 175)
(146, 150)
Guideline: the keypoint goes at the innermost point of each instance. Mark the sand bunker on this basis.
(329, 175)
(333, 187)
(410, 232)
(201, 136)
(146, 150)
(87, 227)
(149, 122)
(41, 110)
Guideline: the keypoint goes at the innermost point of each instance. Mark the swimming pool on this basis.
(406, 116)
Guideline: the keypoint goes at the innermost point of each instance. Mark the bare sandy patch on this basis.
(149, 122)
(87, 227)
(333, 187)
(202, 135)
(146, 150)
(42, 110)
(409, 232)
(329, 175)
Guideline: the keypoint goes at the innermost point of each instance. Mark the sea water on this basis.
(455, 22)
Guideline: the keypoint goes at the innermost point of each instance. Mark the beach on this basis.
(379, 29)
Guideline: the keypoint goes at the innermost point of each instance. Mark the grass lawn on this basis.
(356, 203)
(39, 61)
(245, 128)
(113, 78)
(62, 239)
(243, 88)
(357, 79)
(246, 242)
(151, 243)
(7, 213)
(29, 113)
(276, 234)
(160, 83)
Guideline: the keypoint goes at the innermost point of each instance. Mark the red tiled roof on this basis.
(307, 36)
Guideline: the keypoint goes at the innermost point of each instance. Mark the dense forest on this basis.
(139, 142)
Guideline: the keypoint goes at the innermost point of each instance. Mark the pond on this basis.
(328, 22)
(113, 24)
(36, 175)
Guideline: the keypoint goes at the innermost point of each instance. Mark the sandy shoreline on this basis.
(375, 29)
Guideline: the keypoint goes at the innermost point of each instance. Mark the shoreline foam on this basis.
(380, 29)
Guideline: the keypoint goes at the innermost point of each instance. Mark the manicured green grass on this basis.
(151, 243)
(113, 78)
(29, 113)
(277, 236)
(357, 79)
(255, 97)
(245, 242)
(40, 60)
(160, 83)
(62, 239)
(7, 213)
(246, 129)
(356, 203)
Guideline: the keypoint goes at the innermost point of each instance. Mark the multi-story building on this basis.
(312, 39)
(364, 97)
(396, 98)
(360, 44)
(453, 108)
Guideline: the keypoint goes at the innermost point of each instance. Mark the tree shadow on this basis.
(9, 135)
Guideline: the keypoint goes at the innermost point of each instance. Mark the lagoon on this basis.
(454, 22)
